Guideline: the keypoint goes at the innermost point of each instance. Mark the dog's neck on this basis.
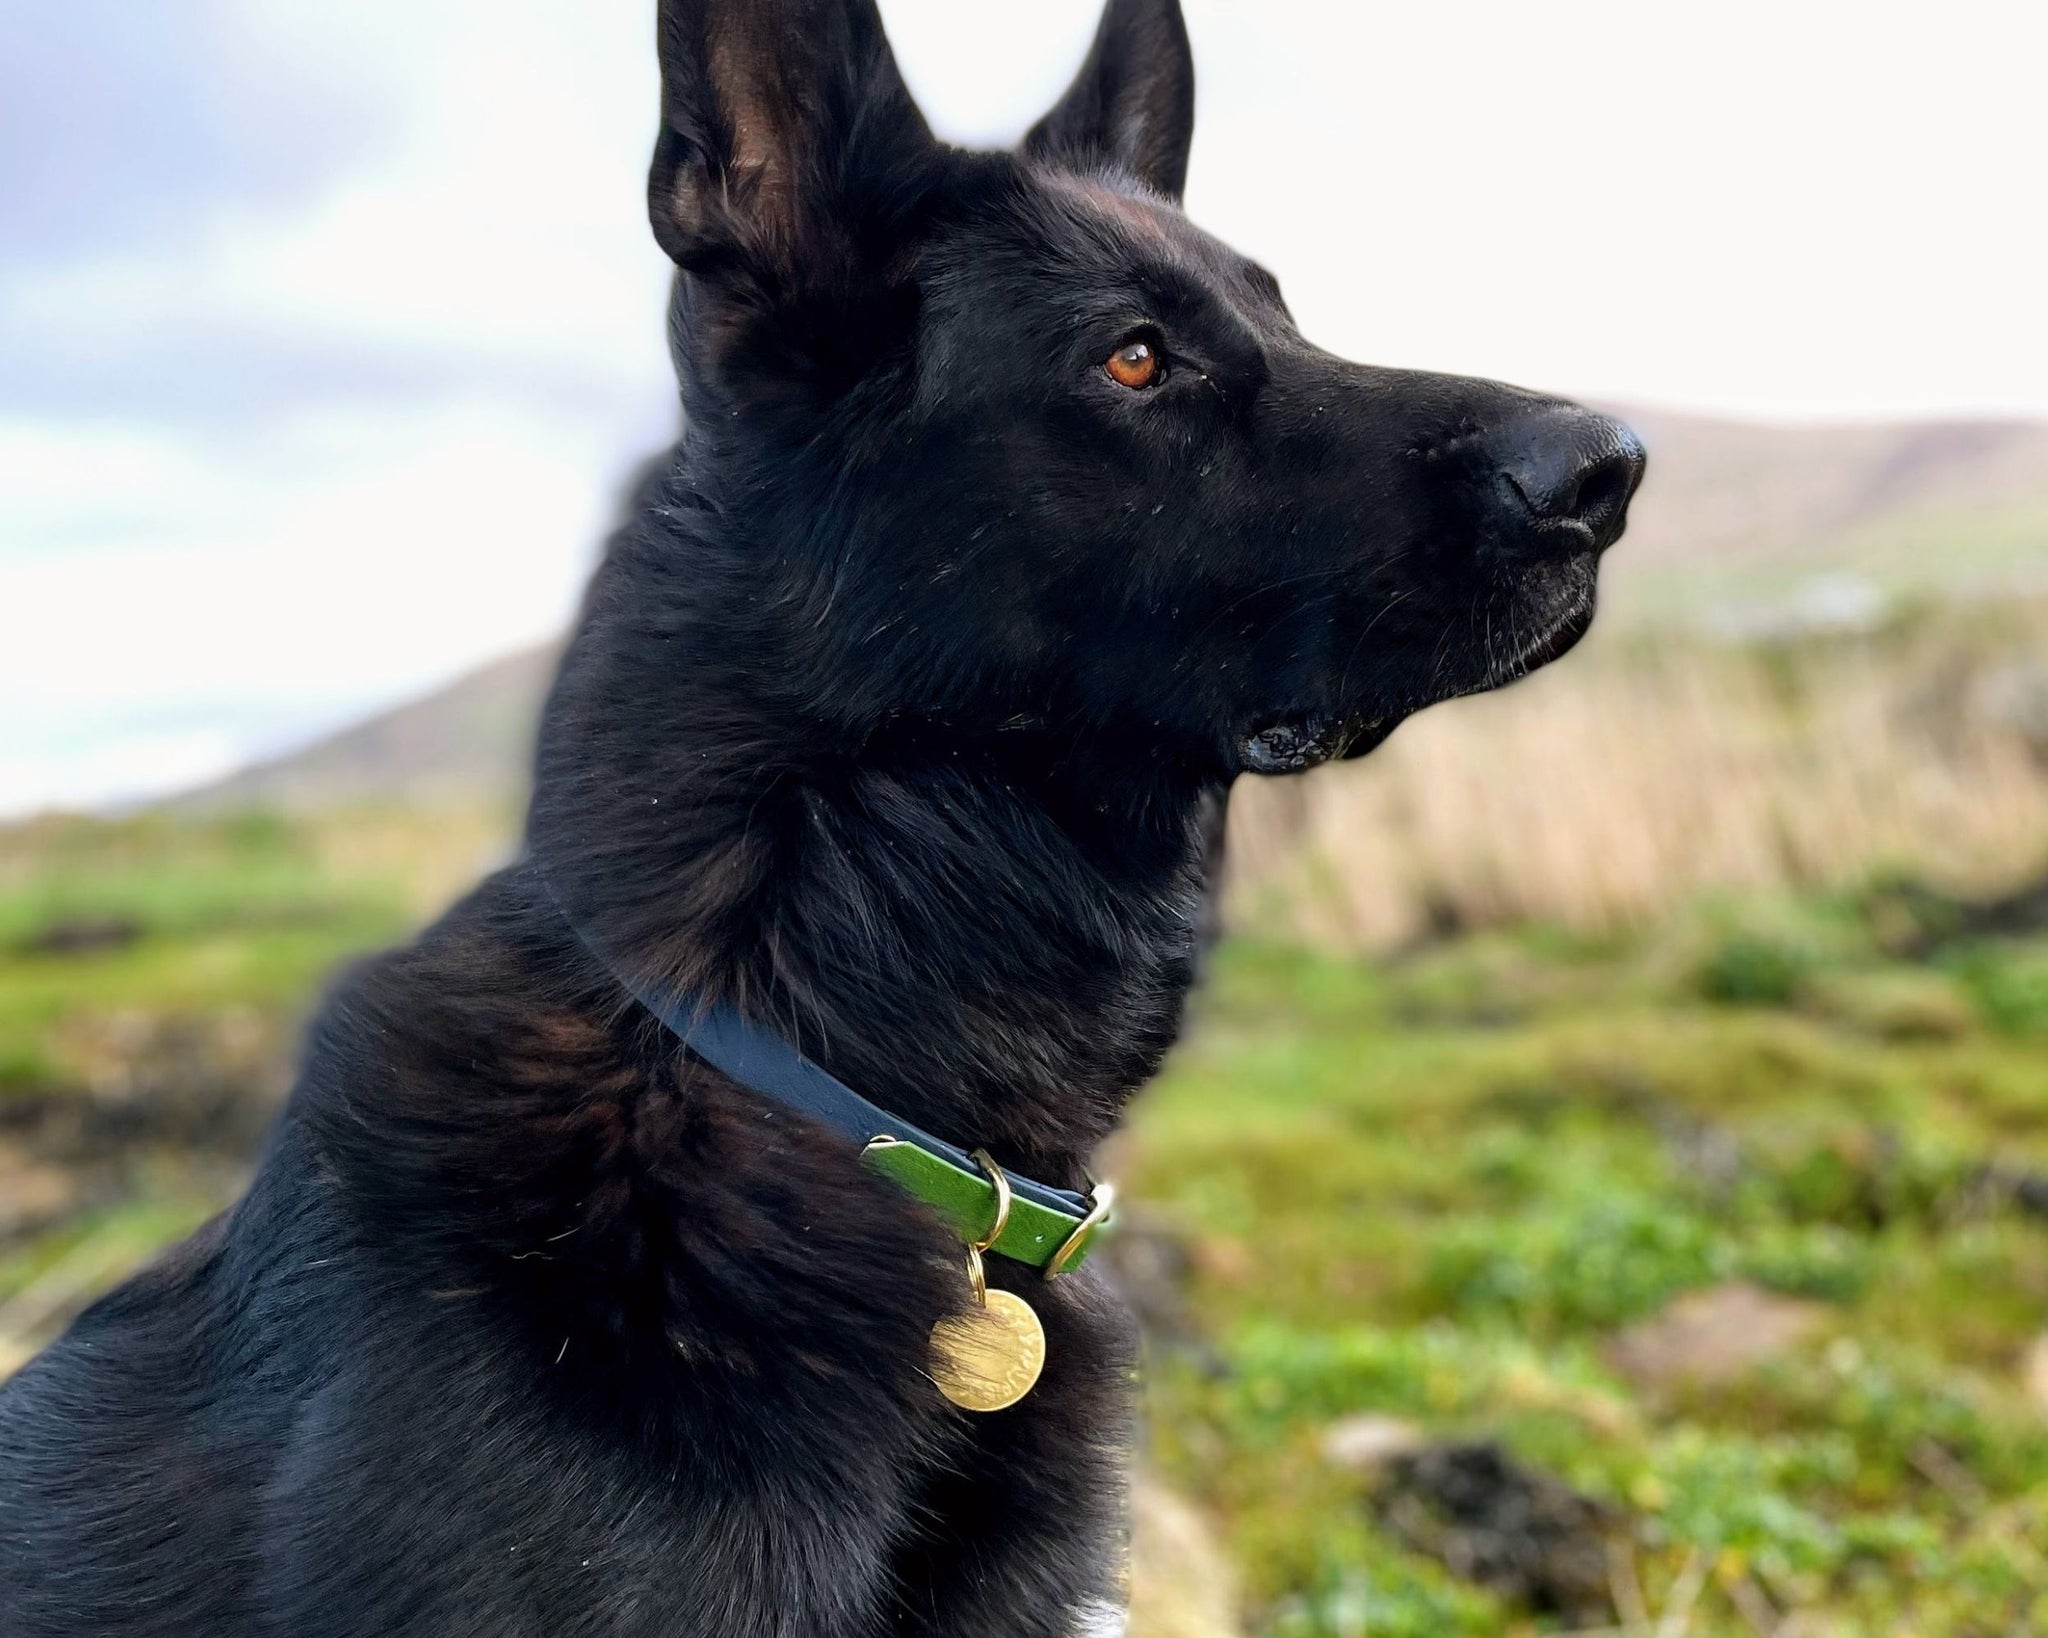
(991, 934)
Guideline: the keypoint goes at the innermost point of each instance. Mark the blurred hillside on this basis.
(464, 746)
(1745, 528)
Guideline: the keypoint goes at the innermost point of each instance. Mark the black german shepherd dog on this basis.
(1012, 519)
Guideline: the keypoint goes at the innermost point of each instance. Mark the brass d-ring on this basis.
(1100, 1200)
(982, 1159)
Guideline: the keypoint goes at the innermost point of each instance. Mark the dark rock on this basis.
(1918, 922)
(1524, 1535)
(83, 935)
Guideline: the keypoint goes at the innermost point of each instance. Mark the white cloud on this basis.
(444, 539)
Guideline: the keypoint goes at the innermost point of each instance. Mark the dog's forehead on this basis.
(1132, 223)
(1069, 224)
(1106, 206)
(1058, 253)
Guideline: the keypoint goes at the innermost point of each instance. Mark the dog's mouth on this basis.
(1301, 740)
(1555, 610)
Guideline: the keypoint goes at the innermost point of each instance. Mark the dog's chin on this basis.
(1555, 607)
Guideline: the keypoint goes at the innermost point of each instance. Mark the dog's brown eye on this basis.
(1134, 365)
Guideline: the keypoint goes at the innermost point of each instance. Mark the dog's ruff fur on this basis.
(900, 715)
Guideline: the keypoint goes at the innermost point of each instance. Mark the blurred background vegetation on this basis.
(1605, 1186)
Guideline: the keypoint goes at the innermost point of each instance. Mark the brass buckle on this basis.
(1101, 1198)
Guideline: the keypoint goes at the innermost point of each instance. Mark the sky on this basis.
(327, 333)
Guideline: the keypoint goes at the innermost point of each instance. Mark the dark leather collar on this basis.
(1047, 1228)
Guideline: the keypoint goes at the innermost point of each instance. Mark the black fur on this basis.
(898, 714)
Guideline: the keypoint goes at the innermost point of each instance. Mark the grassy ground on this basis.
(154, 973)
(1440, 1190)
(1458, 1192)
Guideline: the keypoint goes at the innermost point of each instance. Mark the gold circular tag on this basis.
(989, 1357)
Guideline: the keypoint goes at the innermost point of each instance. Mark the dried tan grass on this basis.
(431, 854)
(1635, 775)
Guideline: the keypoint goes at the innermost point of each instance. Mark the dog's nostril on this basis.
(1565, 465)
(1604, 488)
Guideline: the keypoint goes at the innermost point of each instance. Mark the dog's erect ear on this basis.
(779, 119)
(1133, 103)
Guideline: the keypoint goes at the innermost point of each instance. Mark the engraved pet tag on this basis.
(989, 1357)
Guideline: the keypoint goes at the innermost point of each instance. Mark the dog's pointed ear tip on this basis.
(1133, 101)
(1143, 9)
(1146, 19)
(776, 115)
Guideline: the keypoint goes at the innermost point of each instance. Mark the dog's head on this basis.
(1026, 448)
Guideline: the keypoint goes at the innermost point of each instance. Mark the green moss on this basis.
(1755, 969)
(190, 919)
(2009, 983)
(1435, 1192)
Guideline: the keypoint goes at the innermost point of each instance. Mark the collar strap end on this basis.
(1034, 1234)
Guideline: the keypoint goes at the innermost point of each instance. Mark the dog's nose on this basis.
(1570, 473)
